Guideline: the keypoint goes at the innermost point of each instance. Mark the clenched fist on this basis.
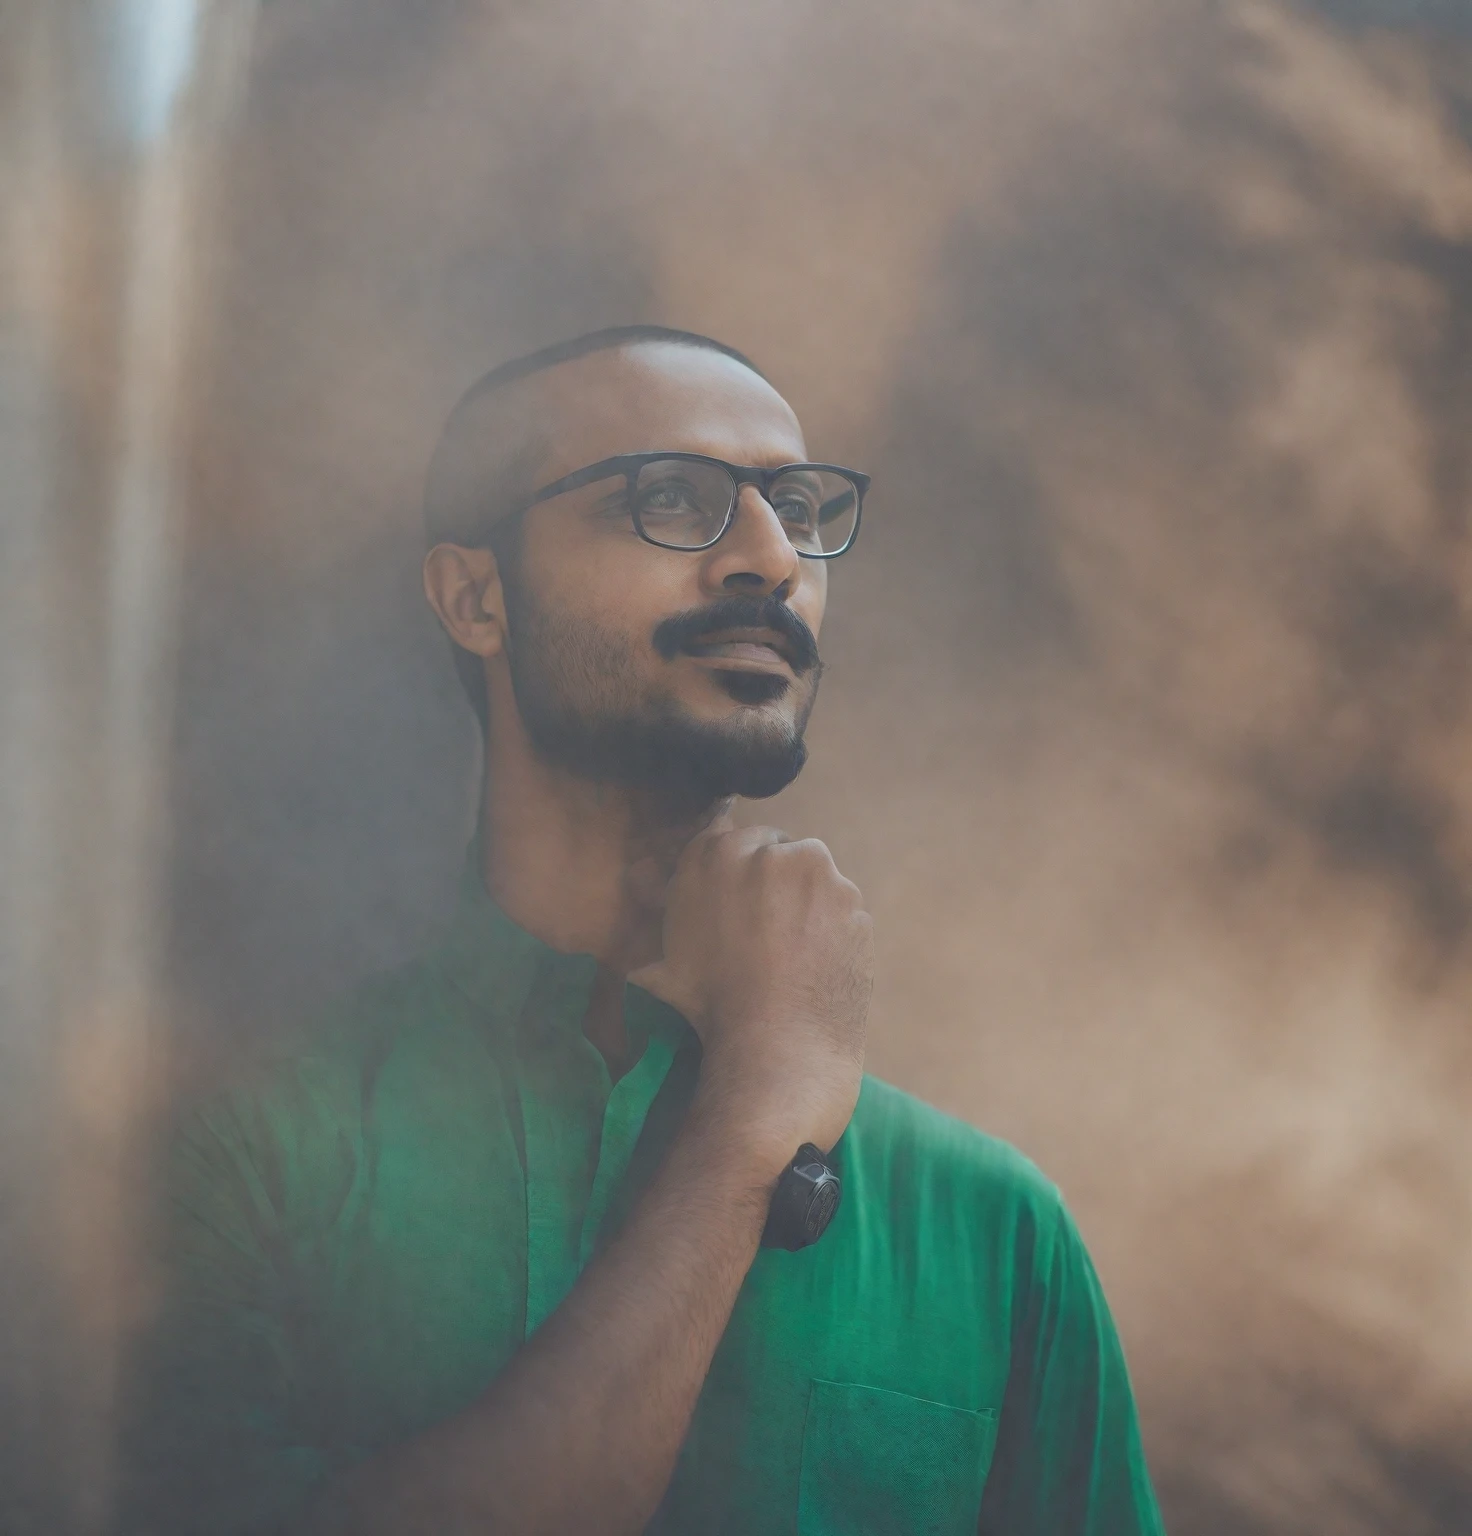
(768, 952)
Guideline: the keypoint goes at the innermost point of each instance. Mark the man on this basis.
(484, 1252)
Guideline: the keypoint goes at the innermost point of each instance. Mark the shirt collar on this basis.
(499, 966)
(513, 978)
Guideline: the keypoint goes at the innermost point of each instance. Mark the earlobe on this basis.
(463, 586)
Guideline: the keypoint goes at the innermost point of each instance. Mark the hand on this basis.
(768, 952)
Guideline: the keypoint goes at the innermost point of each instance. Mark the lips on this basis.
(760, 647)
(747, 631)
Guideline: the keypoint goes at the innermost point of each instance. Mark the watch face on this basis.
(821, 1208)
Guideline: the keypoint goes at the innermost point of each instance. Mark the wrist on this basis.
(740, 1132)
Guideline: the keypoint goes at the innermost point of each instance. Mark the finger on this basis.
(723, 820)
(749, 839)
(651, 977)
(719, 825)
(811, 851)
(740, 841)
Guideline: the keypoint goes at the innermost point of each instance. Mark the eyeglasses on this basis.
(688, 501)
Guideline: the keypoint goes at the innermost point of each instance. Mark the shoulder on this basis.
(333, 1049)
(289, 1116)
(908, 1138)
(948, 1175)
(937, 1183)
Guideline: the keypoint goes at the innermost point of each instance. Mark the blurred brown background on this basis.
(1148, 717)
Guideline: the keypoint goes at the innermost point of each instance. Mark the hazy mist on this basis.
(1148, 712)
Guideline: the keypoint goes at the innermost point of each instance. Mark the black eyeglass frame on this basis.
(629, 465)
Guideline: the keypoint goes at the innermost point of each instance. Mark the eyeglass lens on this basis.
(683, 504)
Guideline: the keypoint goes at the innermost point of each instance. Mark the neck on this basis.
(581, 866)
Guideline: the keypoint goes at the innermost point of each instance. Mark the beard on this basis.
(587, 710)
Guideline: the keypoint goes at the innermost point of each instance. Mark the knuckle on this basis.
(811, 856)
(758, 840)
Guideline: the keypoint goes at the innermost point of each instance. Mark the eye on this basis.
(799, 510)
(668, 498)
(797, 499)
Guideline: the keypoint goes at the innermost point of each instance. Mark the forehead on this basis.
(656, 395)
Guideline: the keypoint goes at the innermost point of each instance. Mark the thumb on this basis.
(660, 980)
(722, 821)
(654, 977)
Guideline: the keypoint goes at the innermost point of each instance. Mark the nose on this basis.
(755, 555)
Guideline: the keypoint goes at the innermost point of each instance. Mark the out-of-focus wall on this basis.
(1146, 719)
(109, 112)
(1146, 716)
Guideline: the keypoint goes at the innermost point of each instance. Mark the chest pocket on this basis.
(877, 1463)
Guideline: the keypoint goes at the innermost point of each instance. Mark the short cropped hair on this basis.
(473, 483)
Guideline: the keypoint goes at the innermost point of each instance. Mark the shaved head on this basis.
(502, 429)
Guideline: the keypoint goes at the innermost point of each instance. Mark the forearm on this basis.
(581, 1430)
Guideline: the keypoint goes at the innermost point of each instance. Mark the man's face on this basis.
(691, 673)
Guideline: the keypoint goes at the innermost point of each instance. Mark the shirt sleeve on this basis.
(217, 1431)
(1068, 1460)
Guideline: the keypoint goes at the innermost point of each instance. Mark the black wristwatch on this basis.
(807, 1196)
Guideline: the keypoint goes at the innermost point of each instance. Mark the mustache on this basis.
(739, 611)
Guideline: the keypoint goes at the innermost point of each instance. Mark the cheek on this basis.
(623, 590)
(810, 601)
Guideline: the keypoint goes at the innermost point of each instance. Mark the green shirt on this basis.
(363, 1233)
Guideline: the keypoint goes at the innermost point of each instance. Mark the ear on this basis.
(464, 589)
